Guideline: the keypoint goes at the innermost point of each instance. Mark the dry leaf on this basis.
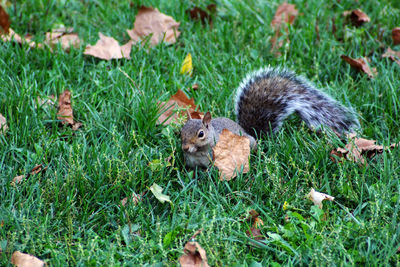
(4, 21)
(14, 36)
(187, 66)
(195, 256)
(63, 36)
(392, 55)
(357, 17)
(149, 21)
(285, 14)
(230, 154)
(255, 234)
(108, 48)
(195, 86)
(47, 101)
(179, 100)
(20, 259)
(199, 14)
(396, 35)
(37, 169)
(318, 197)
(361, 65)
(134, 199)
(65, 113)
(3, 124)
(357, 147)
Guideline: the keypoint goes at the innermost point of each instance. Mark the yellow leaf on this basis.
(187, 66)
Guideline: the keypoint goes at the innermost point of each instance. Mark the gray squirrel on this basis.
(264, 99)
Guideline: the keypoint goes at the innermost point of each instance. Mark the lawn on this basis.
(71, 214)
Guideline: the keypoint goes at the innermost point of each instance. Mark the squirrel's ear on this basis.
(207, 118)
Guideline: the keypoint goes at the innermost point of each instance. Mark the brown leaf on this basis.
(37, 169)
(361, 65)
(4, 21)
(63, 36)
(317, 197)
(392, 55)
(150, 21)
(195, 86)
(285, 14)
(254, 219)
(255, 234)
(357, 148)
(20, 259)
(195, 256)
(135, 199)
(108, 48)
(3, 124)
(357, 17)
(65, 113)
(396, 35)
(230, 154)
(11, 35)
(199, 14)
(179, 100)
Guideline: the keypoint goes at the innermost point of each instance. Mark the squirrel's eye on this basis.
(200, 134)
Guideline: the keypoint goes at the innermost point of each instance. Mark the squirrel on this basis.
(264, 99)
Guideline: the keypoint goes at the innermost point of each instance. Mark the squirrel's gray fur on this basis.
(264, 99)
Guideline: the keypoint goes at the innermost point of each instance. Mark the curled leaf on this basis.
(63, 36)
(392, 55)
(361, 65)
(65, 113)
(317, 197)
(157, 192)
(357, 17)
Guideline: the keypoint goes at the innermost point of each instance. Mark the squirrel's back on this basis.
(266, 97)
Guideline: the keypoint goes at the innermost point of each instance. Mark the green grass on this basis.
(71, 214)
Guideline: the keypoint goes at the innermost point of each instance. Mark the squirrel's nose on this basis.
(185, 148)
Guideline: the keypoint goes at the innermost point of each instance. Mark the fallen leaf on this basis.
(4, 21)
(396, 35)
(35, 170)
(46, 101)
(195, 256)
(20, 259)
(187, 66)
(357, 147)
(317, 197)
(197, 13)
(255, 234)
(11, 35)
(135, 199)
(3, 124)
(64, 36)
(230, 154)
(195, 86)
(157, 192)
(108, 48)
(284, 15)
(150, 21)
(168, 113)
(357, 17)
(65, 113)
(361, 65)
(392, 55)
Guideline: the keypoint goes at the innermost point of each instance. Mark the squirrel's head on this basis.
(195, 134)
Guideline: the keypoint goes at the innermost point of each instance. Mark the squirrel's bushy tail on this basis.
(265, 98)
